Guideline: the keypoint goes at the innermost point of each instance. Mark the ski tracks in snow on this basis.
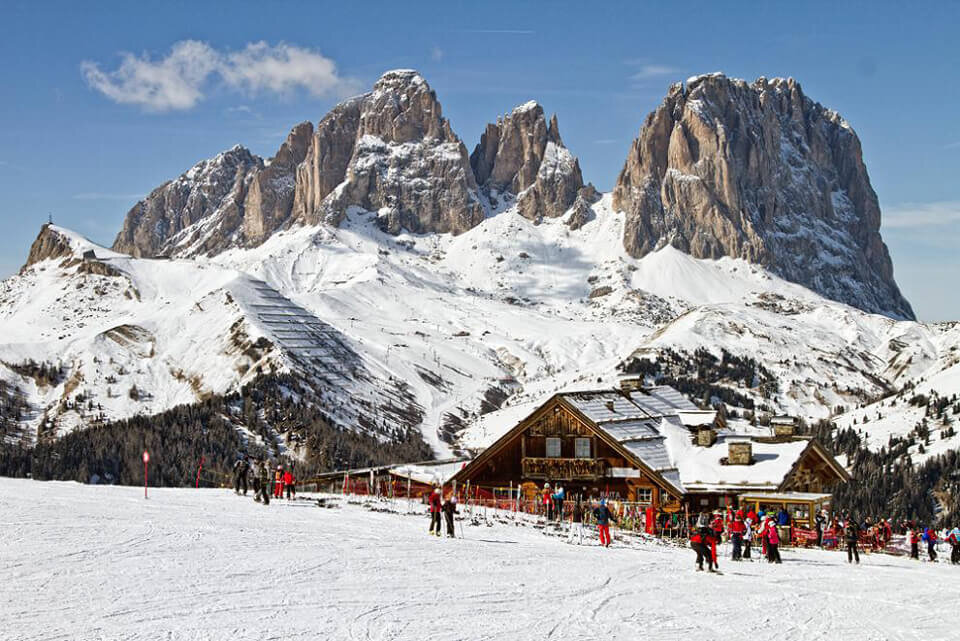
(83, 562)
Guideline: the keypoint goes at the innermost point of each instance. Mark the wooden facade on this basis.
(582, 458)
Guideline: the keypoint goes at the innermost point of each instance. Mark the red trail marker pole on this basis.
(199, 469)
(146, 459)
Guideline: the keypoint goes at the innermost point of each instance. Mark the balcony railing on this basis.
(563, 468)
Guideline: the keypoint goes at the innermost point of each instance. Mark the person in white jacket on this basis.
(747, 537)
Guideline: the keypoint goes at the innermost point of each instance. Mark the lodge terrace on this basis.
(652, 448)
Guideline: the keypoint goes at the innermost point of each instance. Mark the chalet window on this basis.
(582, 448)
(553, 447)
(645, 495)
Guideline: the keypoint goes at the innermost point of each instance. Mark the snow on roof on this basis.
(428, 473)
(700, 468)
(786, 496)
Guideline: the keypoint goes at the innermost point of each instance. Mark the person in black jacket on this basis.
(603, 515)
(241, 470)
(449, 508)
(576, 524)
(819, 522)
(851, 533)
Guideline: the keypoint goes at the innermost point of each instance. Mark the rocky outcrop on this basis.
(582, 213)
(761, 172)
(270, 196)
(48, 244)
(327, 159)
(524, 156)
(406, 163)
(212, 191)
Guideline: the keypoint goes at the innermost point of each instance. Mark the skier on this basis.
(547, 502)
(953, 538)
(289, 482)
(701, 541)
(819, 522)
(747, 537)
(737, 529)
(435, 506)
(930, 536)
(241, 470)
(603, 515)
(263, 491)
(851, 533)
(913, 536)
(576, 524)
(772, 537)
(278, 483)
(449, 508)
(558, 498)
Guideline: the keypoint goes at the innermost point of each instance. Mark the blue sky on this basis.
(82, 136)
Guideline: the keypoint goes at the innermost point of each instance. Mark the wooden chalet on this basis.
(650, 446)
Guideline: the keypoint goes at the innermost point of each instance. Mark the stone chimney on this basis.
(631, 383)
(739, 453)
(706, 437)
(784, 426)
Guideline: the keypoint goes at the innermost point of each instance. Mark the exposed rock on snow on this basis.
(406, 163)
(523, 155)
(761, 172)
(199, 212)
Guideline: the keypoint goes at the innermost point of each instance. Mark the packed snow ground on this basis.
(100, 562)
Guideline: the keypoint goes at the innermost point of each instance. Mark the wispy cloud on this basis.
(94, 195)
(606, 141)
(181, 79)
(509, 32)
(922, 214)
(952, 145)
(436, 54)
(648, 71)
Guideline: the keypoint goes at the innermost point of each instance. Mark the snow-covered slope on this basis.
(192, 564)
(450, 327)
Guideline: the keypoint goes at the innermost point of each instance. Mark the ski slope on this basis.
(100, 562)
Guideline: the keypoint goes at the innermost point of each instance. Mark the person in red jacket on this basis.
(278, 483)
(737, 528)
(704, 544)
(435, 506)
(289, 482)
(913, 535)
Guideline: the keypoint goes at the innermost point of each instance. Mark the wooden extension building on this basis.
(650, 446)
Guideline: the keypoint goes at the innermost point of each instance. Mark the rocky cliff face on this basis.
(524, 156)
(212, 191)
(270, 196)
(759, 171)
(405, 162)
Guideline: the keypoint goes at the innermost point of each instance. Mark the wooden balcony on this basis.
(569, 469)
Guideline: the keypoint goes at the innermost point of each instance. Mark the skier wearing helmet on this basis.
(449, 508)
(435, 506)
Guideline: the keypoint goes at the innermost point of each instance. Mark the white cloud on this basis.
(921, 214)
(180, 80)
(648, 71)
(952, 145)
(436, 54)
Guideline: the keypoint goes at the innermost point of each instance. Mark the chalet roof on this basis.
(652, 424)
